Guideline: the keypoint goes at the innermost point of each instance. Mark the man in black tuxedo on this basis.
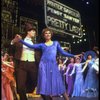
(26, 63)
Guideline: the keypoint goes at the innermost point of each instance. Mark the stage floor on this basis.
(61, 98)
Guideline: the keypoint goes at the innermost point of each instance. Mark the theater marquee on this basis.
(62, 18)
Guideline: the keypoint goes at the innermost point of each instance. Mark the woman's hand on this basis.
(64, 74)
(70, 74)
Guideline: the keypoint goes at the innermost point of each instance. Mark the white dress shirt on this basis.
(28, 54)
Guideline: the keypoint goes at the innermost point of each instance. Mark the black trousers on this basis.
(46, 97)
(26, 78)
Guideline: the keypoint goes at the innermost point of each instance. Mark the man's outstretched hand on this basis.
(17, 38)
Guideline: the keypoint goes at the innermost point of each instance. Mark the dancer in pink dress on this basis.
(7, 78)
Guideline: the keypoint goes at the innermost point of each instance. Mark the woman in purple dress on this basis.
(69, 79)
(61, 67)
(50, 82)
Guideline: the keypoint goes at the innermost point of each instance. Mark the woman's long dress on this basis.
(6, 87)
(70, 80)
(49, 78)
(91, 82)
(78, 84)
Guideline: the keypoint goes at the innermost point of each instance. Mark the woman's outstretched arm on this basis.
(64, 53)
(34, 46)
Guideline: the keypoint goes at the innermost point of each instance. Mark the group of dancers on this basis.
(49, 80)
(86, 65)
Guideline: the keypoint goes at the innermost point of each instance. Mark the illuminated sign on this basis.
(24, 20)
(65, 45)
(62, 18)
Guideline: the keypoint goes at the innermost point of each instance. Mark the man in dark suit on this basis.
(26, 63)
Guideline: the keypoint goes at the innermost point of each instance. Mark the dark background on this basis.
(34, 9)
(89, 18)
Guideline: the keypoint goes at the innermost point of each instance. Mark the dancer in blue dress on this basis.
(91, 81)
(49, 78)
(78, 84)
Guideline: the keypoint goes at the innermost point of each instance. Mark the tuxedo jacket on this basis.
(16, 51)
